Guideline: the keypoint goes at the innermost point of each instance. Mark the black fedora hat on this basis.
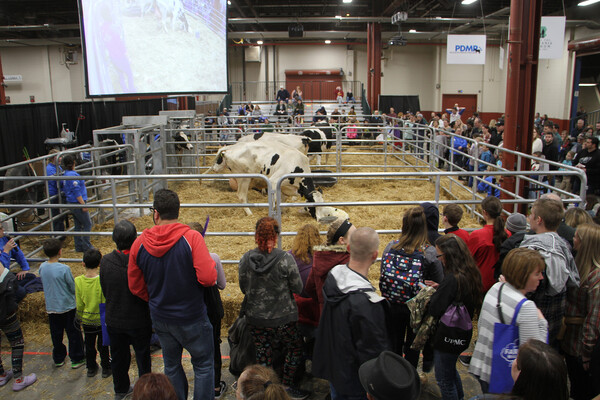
(390, 377)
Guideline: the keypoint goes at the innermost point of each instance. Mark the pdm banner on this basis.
(465, 49)
(552, 37)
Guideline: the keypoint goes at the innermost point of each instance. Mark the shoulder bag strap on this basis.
(499, 304)
(517, 309)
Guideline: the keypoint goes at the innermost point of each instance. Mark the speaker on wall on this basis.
(296, 31)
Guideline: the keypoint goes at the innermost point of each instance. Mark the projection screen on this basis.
(154, 46)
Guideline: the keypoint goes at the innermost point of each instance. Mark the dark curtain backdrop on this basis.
(25, 127)
(400, 104)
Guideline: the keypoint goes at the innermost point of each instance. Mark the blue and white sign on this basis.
(552, 37)
(465, 49)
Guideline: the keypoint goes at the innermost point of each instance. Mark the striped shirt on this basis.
(530, 326)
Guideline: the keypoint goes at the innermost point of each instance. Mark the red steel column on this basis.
(523, 54)
(373, 64)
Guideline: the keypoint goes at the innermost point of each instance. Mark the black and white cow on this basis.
(300, 143)
(183, 142)
(273, 160)
(321, 140)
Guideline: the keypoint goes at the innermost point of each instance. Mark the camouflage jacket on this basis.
(269, 280)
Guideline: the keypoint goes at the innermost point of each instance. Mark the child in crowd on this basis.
(215, 311)
(10, 250)
(89, 295)
(59, 291)
(565, 183)
(451, 217)
(486, 156)
(10, 325)
(485, 186)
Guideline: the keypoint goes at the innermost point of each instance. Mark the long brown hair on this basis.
(414, 230)
(459, 262)
(306, 238)
(543, 373)
(493, 207)
(588, 253)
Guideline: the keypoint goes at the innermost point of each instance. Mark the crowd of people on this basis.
(539, 274)
(316, 302)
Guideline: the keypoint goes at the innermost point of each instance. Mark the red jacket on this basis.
(169, 266)
(485, 254)
(323, 261)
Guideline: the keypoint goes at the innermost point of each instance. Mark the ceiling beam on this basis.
(393, 7)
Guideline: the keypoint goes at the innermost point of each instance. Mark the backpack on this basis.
(400, 275)
(8, 303)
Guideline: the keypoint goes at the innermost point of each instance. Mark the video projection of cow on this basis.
(154, 46)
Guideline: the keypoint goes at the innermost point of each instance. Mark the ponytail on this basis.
(499, 233)
(493, 207)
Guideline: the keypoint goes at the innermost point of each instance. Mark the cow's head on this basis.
(184, 142)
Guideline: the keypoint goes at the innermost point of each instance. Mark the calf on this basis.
(182, 142)
(300, 143)
(320, 140)
(271, 159)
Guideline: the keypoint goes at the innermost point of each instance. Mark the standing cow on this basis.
(270, 159)
(321, 140)
(273, 160)
(300, 143)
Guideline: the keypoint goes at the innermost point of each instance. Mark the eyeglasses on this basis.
(439, 255)
(151, 209)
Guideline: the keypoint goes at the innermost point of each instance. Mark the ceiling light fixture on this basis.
(346, 1)
(466, 2)
(412, 31)
(587, 3)
(328, 41)
(348, 14)
(259, 42)
(338, 16)
(228, 2)
(588, 84)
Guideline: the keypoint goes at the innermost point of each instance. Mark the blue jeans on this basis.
(447, 376)
(83, 223)
(58, 225)
(196, 338)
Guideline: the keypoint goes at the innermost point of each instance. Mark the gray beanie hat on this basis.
(516, 223)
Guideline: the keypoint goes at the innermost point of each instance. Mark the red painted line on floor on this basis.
(43, 353)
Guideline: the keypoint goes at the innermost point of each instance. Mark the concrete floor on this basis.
(65, 383)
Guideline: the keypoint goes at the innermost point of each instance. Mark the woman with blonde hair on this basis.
(581, 316)
(258, 382)
(302, 250)
(576, 216)
(522, 271)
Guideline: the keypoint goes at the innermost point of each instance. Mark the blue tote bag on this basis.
(105, 337)
(505, 349)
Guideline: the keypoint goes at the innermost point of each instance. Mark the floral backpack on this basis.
(400, 275)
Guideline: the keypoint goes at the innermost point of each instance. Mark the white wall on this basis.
(45, 75)
(409, 70)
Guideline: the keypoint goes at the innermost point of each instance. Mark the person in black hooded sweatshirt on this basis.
(435, 274)
(127, 316)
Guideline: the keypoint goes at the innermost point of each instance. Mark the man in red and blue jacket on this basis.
(169, 266)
